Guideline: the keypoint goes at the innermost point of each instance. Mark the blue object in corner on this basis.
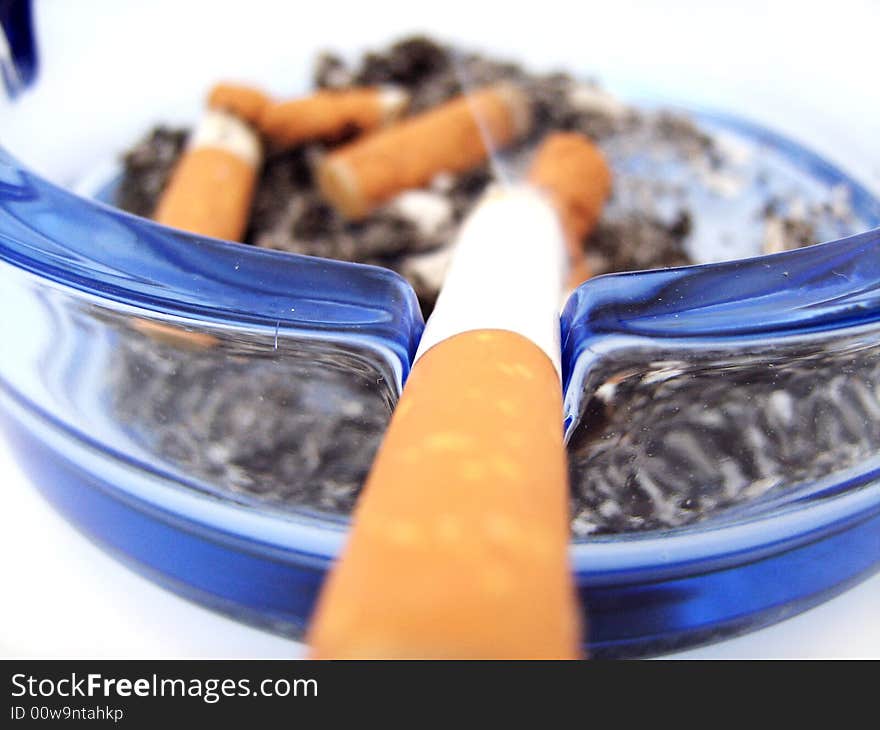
(18, 49)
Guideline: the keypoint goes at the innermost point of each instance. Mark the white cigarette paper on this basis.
(507, 272)
(225, 131)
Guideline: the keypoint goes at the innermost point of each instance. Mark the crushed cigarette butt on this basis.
(329, 114)
(572, 170)
(449, 138)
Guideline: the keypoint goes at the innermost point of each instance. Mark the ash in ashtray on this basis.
(297, 428)
(654, 456)
(671, 442)
(672, 177)
(147, 167)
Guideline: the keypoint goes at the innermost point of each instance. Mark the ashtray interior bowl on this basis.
(88, 290)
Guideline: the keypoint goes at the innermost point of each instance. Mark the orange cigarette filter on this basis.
(451, 138)
(329, 114)
(574, 173)
(245, 102)
(458, 548)
(212, 187)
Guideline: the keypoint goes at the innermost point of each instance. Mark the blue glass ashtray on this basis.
(723, 419)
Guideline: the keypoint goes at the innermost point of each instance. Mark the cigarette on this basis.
(212, 187)
(459, 542)
(575, 175)
(329, 114)
(451, 138)
(245, 102)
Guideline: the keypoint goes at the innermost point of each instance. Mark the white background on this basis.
(807, 68)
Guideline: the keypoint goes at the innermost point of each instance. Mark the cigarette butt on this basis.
(328, 114)
(574, 173)
(212, 187)
(451, 138)
(459, 542)
(245, 102)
